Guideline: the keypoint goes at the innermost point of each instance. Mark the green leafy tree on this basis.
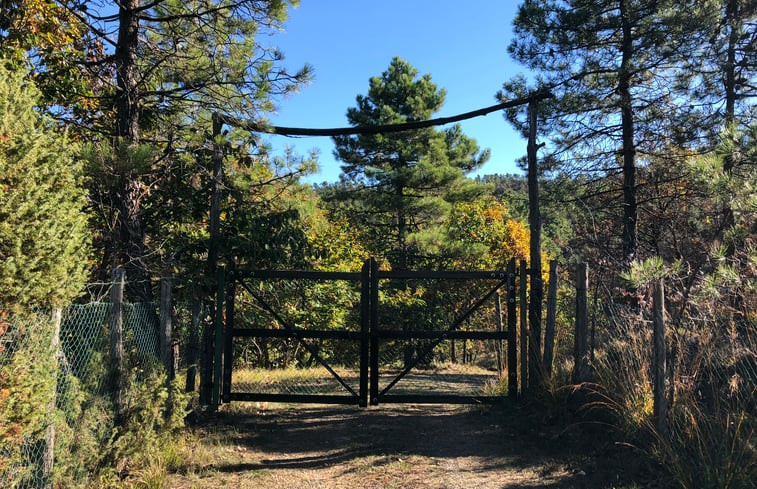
(44, 246)
(400, 184)
(47, 38)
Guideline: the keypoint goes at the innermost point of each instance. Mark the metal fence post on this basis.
(512, 334)
(218, 345)
(374, 325)
(523, 307)
(228, 340)
(498, 343)
(365, 329)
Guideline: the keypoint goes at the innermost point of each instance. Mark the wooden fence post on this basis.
(581, 372)
(534, 226)
(660, 408)
(116, 343)
(193, 349)
(549, 330)
(523, 327)
(166, 328)
(49, 457)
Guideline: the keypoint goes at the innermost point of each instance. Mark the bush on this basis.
(44, 241)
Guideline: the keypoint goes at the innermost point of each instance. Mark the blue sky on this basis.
(463, 45)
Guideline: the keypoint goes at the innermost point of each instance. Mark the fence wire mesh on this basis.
(36, 383)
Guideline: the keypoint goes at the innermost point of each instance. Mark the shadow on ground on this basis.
(480, 443)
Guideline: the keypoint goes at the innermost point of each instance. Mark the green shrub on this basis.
(44, 243)
(27, 384)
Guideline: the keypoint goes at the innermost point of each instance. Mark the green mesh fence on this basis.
(30, 381)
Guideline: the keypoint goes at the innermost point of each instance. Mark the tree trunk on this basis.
(629, 149)
(127, 74)
(729, 70)
(534, 224)
(129, 248)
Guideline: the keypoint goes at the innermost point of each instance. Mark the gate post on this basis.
(512, 337)
(218, 347)
(228, 345)
(365, 329)
(523, 308)
(374, 326)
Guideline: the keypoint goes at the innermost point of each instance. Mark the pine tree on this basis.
(611, 65)
(402, 184)
(166, 66)
(43, 228)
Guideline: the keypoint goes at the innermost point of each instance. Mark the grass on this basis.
(444, 378)
(710, 441)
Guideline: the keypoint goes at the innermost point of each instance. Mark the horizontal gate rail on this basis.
(298, 333)
(355, 397)
(439, 399)
(391, 334)
(444, 275)
(295, 274)
(293, 398)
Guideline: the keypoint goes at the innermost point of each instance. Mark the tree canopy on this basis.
(401, 184)
(44, 238)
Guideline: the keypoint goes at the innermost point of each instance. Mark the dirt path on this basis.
(390, 447)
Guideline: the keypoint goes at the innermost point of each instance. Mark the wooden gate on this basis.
(387, 347)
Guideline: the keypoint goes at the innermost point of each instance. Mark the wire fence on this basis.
(46, 376)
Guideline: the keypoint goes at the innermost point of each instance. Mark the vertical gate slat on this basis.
(216, 396)
(512, 339)
(228, 346)
(365, 292)
(374, 327)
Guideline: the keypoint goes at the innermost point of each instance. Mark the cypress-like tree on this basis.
(44, 243)
(402, 184)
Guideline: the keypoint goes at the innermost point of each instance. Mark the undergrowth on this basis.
(709, 438)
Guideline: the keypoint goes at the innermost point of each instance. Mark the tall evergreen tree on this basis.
(720, 75)
(610, 64)
(401, 184)
(164, 67)
(44, 248)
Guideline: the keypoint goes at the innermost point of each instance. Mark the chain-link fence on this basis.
(50, 371)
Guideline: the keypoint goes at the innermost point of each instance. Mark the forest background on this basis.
(647, 172)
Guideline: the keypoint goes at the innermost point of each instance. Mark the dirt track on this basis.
(393, 446)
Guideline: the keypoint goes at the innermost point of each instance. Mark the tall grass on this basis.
(712, 422)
